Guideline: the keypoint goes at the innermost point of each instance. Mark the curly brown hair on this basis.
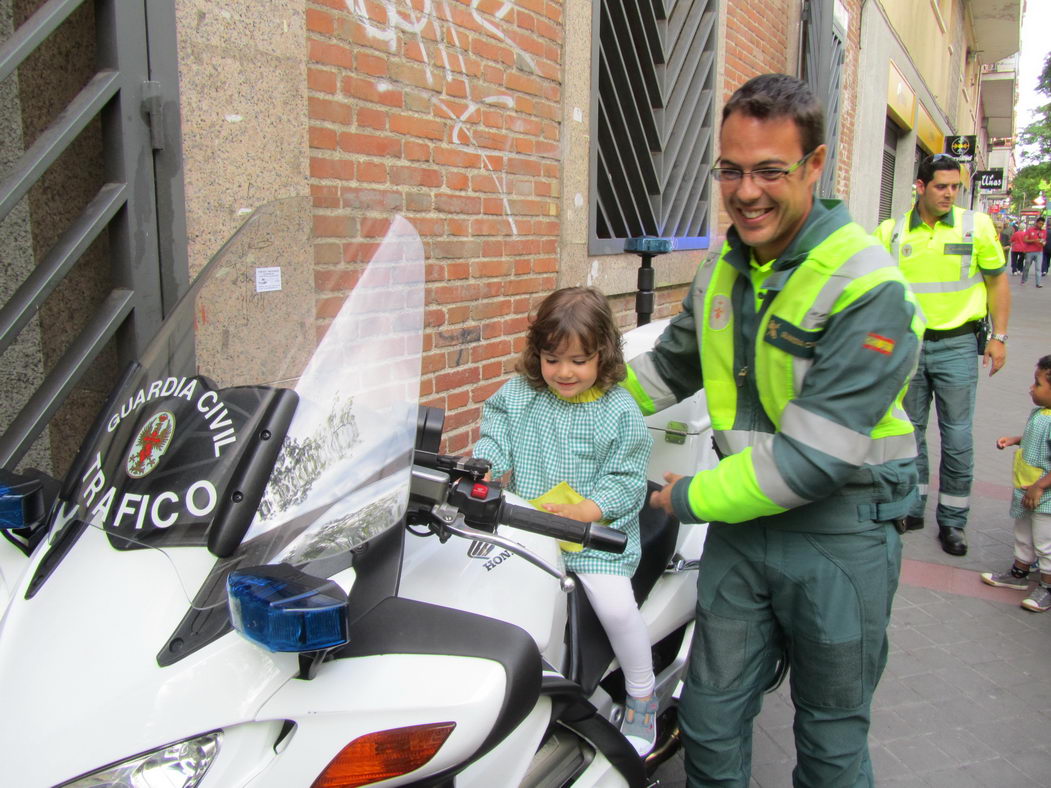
(580, 312)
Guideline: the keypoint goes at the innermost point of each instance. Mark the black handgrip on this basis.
(547, 524)
(609, 540)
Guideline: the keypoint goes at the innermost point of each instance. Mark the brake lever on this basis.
(452, 522)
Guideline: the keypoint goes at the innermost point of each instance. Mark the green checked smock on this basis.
(600, 447)
(1034, 452)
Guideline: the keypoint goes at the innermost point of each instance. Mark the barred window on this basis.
(823, 52)
(890, 160)
(652, 115)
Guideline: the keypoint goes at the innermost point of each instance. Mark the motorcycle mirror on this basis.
(429, 425)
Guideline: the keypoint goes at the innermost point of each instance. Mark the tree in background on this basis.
(1036, 176)
(1028, 183)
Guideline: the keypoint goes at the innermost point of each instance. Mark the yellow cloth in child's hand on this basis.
(560, 493)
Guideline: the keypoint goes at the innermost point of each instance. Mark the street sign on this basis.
(961, 148)
(990, 179)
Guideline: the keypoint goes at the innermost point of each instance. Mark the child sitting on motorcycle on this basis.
(564, 420)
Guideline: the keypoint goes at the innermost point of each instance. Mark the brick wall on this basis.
(756, 40)
(849, 99)
(757, 43)
(452, 119)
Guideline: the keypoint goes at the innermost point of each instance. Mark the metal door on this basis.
(92, 227)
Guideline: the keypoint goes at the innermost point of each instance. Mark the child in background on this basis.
(565, 419)
(1031, 506)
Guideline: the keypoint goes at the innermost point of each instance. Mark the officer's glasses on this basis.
(761, 174)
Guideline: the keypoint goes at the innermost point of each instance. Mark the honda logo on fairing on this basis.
(479, 549)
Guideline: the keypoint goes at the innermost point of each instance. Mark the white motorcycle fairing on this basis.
(116, 640)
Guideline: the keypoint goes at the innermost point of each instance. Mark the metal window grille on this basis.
(886, 184)
(823, 54)
(121, 124)
(652, 122)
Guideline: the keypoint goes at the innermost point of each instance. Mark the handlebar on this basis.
(456, 486)
(598, 537)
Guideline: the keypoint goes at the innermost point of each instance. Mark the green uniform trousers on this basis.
(824, 601)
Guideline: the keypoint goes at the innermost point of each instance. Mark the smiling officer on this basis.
(953, 259)
(803, 341)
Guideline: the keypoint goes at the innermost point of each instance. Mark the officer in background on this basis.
(953, 259)
(804, 343)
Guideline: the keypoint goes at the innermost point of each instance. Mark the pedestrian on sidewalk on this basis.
(1034, 249)
(953, 259)
(1031, 504)
(1005, 229)
(1047, 251)
(1017, 249)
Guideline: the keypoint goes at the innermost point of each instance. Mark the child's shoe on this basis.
(1014, 577)
(1039, 599)
(641, 731)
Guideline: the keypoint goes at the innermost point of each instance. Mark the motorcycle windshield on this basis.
(272, 418)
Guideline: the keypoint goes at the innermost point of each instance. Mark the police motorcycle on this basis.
(249, 576)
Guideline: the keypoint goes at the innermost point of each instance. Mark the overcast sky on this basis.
(1036, 43)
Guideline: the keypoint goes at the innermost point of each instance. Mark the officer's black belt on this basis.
(933, 334)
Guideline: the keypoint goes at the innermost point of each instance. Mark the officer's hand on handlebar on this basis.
(662, 498)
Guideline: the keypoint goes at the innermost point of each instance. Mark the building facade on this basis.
(526, 140)
(935, 71)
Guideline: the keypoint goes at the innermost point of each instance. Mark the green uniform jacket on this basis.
(861, 362)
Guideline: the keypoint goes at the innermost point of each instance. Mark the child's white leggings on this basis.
(1033, 539)
(614, 603)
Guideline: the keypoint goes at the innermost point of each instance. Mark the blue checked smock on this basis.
(600, 447)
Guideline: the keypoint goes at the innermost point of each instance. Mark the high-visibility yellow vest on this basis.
(845, 266)
(943, 273)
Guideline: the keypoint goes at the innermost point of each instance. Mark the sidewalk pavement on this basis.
(966, 696)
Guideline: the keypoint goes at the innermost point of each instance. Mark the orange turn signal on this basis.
(384, 754)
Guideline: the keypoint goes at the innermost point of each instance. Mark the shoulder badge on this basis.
(879, 343)
(721, 311)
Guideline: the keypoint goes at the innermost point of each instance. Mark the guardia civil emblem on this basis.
(150, 444)
(720, 312)
(906, 250)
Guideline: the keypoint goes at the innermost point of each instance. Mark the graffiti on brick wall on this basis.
(398, 21)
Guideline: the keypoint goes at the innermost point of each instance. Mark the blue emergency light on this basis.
(12, 513)
(283, 609)
(22, 501)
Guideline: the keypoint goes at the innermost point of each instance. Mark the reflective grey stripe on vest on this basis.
(843, 443)
(864, 261)
(895, 243)
(967, 225)
(652, 383)
(733, 441)
(966, 280)
(769, 478)
(823, 434)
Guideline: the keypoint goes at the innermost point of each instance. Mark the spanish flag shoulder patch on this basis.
(879, 344)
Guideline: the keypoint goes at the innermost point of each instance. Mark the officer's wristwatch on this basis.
(999, 337)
